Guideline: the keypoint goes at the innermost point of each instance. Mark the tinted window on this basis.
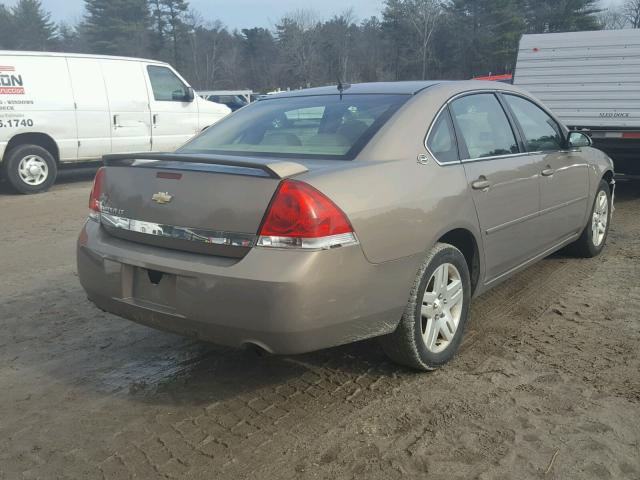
(484, 126)
(441, 141)
(324, 126)
(166, 85)
(541, 132)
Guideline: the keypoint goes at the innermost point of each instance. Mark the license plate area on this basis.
(153, 286)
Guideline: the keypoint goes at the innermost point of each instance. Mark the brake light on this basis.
(95, 203)
(300, 216)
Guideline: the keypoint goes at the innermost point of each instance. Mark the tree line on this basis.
(408, 40)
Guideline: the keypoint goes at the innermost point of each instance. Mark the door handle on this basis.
(116, 121)
(547, 172)
(481, 184)
(155, 119)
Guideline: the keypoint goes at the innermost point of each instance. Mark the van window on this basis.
(441, 141)
(484, 126)
(167, 87)
(541, 132)
(324, 126)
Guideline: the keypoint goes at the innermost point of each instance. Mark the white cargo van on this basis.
(60, 108)
(591, 80)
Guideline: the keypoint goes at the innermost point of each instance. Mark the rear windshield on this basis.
(324, 126)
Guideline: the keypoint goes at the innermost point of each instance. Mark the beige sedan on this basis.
(325, 216)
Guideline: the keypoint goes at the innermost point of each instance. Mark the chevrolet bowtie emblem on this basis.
(162, 197)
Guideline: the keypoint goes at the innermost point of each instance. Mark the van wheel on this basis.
(433, 323)
(594, 235)
(30, 169)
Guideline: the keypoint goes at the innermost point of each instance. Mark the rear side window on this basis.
(541, 132)
(441, 141)
(322, 126)
(167, 87)
(484, 126)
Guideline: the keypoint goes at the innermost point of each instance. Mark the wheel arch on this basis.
(465, 241)
(34, 138)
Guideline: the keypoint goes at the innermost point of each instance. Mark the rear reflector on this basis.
(300, 216)
(635, 135)
(95, 202)
(169, 175)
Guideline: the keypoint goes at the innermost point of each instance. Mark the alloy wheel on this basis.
(441, 307)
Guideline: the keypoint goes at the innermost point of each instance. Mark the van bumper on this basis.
(283, 301)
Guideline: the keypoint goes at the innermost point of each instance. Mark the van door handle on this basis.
(547, 172)
(155, 119)
(116, 121)
(481, 184)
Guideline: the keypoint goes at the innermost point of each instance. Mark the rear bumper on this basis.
(284, 301)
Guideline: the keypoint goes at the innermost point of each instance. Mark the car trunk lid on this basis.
(197, 203)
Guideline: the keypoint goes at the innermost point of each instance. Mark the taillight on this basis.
(95, 203)
(300, 216)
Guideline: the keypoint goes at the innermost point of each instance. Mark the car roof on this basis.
(398, 88)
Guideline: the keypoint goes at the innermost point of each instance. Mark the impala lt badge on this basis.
(162, 197)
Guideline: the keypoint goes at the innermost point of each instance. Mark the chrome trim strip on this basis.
(320, 243)
(540, 213)
(562, 205)
(495, 157)
(510, 223)
(210, 237)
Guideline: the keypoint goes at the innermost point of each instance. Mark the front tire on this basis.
(594, 235)
(434, 320)
(30, 169)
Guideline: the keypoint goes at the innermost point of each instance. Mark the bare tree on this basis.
(631, 11)
(612, 18)
(296, 35)
(423, 16)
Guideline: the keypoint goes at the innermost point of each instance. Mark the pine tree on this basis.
(168, 26)
(548, 16)
(32, 26)
(486, 35)
(7, 39)
(116, 27)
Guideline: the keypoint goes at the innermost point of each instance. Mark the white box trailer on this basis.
(58, 108)
(591, 80)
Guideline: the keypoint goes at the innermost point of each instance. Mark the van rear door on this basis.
(130, 118)
(174, 116)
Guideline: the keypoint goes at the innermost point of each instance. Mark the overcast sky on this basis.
(235, 13)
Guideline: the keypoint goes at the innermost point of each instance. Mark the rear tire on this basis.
(594, 235)
(30, 169)
(434, 320)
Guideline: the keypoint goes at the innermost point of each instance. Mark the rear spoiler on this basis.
(274, 169)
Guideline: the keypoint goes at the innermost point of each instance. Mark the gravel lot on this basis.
(547, 383)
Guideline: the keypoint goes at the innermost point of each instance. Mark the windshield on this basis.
(324, 126)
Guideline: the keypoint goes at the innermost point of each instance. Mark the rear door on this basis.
(564, 175)
(130, 119)
(174, 116)
(92, 107)
(502, 178)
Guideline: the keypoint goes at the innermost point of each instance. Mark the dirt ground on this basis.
(547, 383)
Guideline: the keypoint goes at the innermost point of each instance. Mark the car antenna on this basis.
(342, 87)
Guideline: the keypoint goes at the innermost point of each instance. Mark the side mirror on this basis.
(579, 139)
(182, 96)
